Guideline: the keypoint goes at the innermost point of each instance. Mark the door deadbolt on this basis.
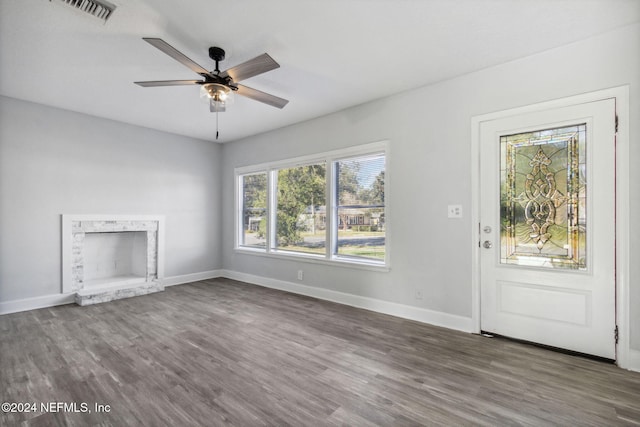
(487, 229)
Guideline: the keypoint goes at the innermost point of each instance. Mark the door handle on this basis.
(487, 244)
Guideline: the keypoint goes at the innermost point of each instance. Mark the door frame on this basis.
(621, 96)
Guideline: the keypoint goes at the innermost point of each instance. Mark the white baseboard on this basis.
(451, 321)
(400, 310)
(26, 304)
(15, 306)
(633, 360)
(423, 315)
(193, 277)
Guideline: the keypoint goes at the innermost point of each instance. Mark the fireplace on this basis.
(114, 257)
(111, 257)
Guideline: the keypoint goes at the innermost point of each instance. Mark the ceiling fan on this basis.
(217, 85)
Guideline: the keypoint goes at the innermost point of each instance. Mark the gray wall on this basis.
(55, 162)
(429, 167)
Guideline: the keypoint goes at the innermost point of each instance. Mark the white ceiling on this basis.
(333, 53)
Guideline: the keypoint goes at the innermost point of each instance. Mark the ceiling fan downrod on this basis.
(217, 54)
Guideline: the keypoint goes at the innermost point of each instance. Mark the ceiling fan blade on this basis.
(175, 54)
(253, 67)
(168, 83)
(262, 96)
(212, 107)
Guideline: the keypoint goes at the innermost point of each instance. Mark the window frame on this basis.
(330, 257)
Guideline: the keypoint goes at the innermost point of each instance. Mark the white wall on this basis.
(429, 167)
(55, 162)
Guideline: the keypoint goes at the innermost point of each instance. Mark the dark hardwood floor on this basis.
(221, 352)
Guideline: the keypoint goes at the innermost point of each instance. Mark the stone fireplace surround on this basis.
(74, 229)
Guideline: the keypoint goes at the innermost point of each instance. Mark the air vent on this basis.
(98, 8)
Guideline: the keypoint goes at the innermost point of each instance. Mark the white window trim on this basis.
(330, 158)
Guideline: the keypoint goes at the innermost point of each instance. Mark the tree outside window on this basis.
(301, 199)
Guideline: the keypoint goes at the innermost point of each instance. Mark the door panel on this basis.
(530, 300)
(548, 227)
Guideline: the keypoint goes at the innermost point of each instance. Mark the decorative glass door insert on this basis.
(543, 198)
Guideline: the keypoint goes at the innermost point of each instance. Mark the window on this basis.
(254, 210)
(327, 207)
(360, 207)
(301, 196)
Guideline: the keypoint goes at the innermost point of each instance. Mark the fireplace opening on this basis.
(110, 257)
(114, 257)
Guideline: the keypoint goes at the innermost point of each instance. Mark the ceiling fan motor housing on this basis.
(216, 53)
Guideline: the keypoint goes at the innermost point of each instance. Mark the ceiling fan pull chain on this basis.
(216, 120)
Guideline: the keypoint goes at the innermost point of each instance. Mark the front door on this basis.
(547, 227)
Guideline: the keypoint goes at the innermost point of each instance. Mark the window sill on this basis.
(317, 259)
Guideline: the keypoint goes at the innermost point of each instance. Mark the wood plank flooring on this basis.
(221, 352)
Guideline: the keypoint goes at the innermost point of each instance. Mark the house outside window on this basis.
(360, 194)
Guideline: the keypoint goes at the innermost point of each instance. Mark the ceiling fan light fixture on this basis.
(216, 91)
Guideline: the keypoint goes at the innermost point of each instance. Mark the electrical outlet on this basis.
(418, 294)
(300, 275)
(454, 211)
